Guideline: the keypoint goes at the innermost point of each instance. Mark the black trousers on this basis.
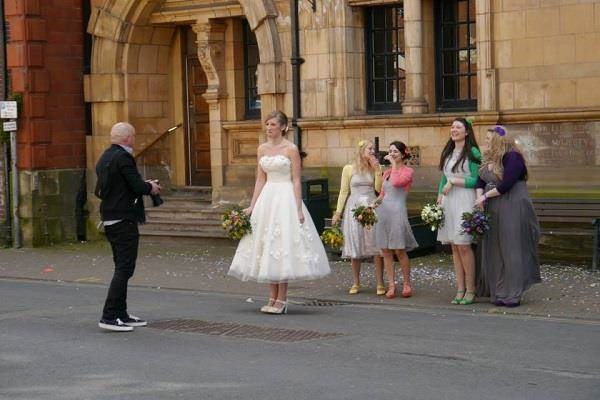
(124, 239)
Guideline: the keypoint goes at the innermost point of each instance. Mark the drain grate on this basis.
(241, 330)
(322, 303)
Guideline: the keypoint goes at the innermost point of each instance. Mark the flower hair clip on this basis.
(499, 130)
(469, 122)
(362, 143)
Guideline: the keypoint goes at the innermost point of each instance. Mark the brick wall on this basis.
(45, 57)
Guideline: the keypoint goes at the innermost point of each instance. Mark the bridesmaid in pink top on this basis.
(393, 234)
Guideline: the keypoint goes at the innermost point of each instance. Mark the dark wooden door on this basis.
(198, 127)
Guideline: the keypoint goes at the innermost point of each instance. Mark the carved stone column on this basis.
(414, 103)
(211, 53)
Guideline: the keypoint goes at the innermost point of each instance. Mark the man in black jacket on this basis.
(120, 187)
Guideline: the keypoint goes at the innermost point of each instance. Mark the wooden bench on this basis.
(571, 217)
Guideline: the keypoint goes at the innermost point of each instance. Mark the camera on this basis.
(156, 200)
(382, 160)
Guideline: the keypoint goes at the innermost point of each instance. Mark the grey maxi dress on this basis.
(509, 257)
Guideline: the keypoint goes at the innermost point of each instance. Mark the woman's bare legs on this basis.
(273, 288)
(405, 266)
(467, 259)
(281, 299)
(378, 265)
(459, 271)
(355, 262)
(388, 262)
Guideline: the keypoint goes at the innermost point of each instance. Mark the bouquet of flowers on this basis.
(236, 223)
(433, 215)
(365, 215)
(475, 223)
(333, 237)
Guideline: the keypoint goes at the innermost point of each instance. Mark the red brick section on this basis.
(45, 59)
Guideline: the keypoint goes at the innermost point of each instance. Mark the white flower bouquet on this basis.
(433, 215)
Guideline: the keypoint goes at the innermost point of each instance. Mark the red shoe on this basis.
(391, 293)
(406, 290)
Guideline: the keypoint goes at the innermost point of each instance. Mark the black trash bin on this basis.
(596, 249)
(315, 194)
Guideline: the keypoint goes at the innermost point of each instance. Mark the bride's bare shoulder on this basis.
(290, 146)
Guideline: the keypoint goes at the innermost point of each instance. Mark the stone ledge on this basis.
(439, 119)
(242, 125)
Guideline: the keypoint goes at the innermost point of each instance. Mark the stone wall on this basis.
(547, 54)
(538, 66)
(49, 205)
(45, 59)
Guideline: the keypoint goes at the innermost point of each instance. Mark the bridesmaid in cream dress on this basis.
(360, 181)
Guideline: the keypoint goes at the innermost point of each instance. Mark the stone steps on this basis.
(186, 212)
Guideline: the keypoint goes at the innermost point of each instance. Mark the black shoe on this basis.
(513, 305)
(132, 320)
(116, 325)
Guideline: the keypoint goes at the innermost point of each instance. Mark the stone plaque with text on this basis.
(566, 144)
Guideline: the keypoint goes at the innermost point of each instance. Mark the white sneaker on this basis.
(116, 325)
(132, 320)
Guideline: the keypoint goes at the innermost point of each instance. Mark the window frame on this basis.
(448, 105)
(249, 112)
(372, 106)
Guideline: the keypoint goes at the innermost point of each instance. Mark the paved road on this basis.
(51, 348)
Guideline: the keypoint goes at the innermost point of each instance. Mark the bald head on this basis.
(122, 133)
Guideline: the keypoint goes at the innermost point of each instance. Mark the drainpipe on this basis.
(16, 229)
(296, 61)
(5, 149)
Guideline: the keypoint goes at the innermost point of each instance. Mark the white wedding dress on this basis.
(279, 249)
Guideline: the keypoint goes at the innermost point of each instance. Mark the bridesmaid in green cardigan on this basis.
(459, 163)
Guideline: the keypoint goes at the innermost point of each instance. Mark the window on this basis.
(385, 63)
(456, 53)
(251, 61)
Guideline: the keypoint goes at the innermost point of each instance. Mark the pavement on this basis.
(52, 349)
(569, 292)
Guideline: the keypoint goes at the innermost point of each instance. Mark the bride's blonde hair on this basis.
(502, 142)
(361, 165)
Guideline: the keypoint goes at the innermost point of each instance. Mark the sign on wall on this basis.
(8, 109)
(9, 126)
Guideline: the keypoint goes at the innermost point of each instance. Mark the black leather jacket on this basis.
(120, 186)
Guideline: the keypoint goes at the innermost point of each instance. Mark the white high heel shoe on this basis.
(278, 310)
(266, 307)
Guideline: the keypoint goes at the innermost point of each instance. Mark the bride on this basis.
(284, 244)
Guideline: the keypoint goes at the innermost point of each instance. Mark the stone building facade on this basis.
(397, 70)
(391, 69)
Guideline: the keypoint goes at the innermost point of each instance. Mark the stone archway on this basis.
(261, 16)
(129, 78)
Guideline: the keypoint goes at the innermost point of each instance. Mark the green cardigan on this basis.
(470, 180)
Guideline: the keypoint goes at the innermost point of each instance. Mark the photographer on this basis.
(120, 187)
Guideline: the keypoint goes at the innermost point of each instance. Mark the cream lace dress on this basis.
(280, 248)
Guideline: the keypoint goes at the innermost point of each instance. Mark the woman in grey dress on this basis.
(509, 257)
(392, 231)
(360, 180)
